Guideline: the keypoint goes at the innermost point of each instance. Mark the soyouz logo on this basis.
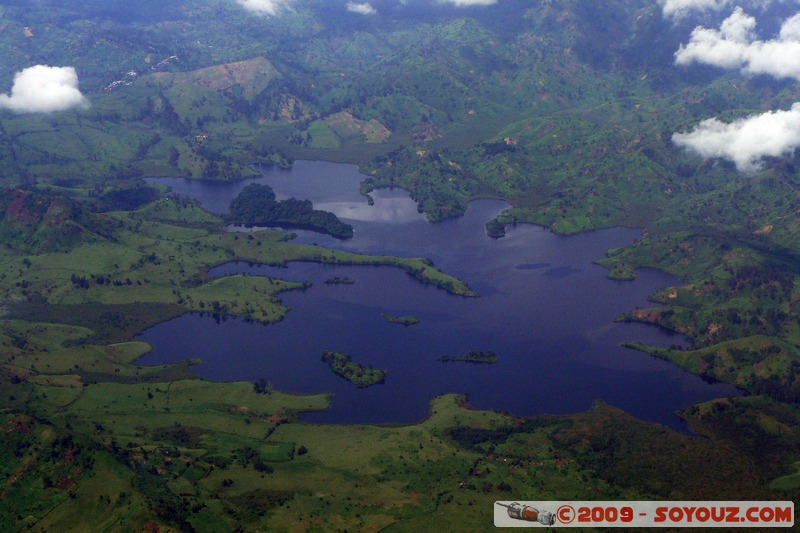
(517, 511)
(727, 514)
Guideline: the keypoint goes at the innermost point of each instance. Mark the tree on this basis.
(262, 386)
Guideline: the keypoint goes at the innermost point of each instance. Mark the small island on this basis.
(339, 281)
(471, 357)
(355, 373)
(406, 320)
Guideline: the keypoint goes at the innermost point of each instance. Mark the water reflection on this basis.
(393, 209)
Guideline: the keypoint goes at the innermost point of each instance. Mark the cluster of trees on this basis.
(768, 290)
(256, 206)
(784, 387)
(161, 111)
(355, 373)
(248, 455)
(302, 138)
(471, 357)
(775, 282)
(484, 440)
(79, 282)
(262, 386)
(82, 282)
(127, 199)
(145, 146)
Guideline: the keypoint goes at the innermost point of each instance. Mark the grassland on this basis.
(736, 303)
(149, 259)
(210, 456)
(91, 428)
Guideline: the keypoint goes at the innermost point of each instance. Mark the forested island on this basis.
(256, 206)
(356, 373)
(338, 280)
(475, 357)
(405, 320)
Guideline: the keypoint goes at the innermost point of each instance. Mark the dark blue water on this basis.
(545, 310)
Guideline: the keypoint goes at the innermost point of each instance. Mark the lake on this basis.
(545, 310)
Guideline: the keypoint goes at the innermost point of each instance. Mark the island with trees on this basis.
(338, 280)
(256, 206)
(474, 357)
(356, 373)
(405, 320)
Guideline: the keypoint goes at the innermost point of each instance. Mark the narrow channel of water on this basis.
(545, 310)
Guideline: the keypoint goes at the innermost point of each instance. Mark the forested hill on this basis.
(583, 98)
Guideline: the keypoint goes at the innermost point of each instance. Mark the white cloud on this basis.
(738, 27)
(725, 48)
(467, 3)
(681, 8)
(745, 141)
(263, 7)
(273, 7)
(361, 9)
(43, 89)
(790, 30)
(734, 46)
